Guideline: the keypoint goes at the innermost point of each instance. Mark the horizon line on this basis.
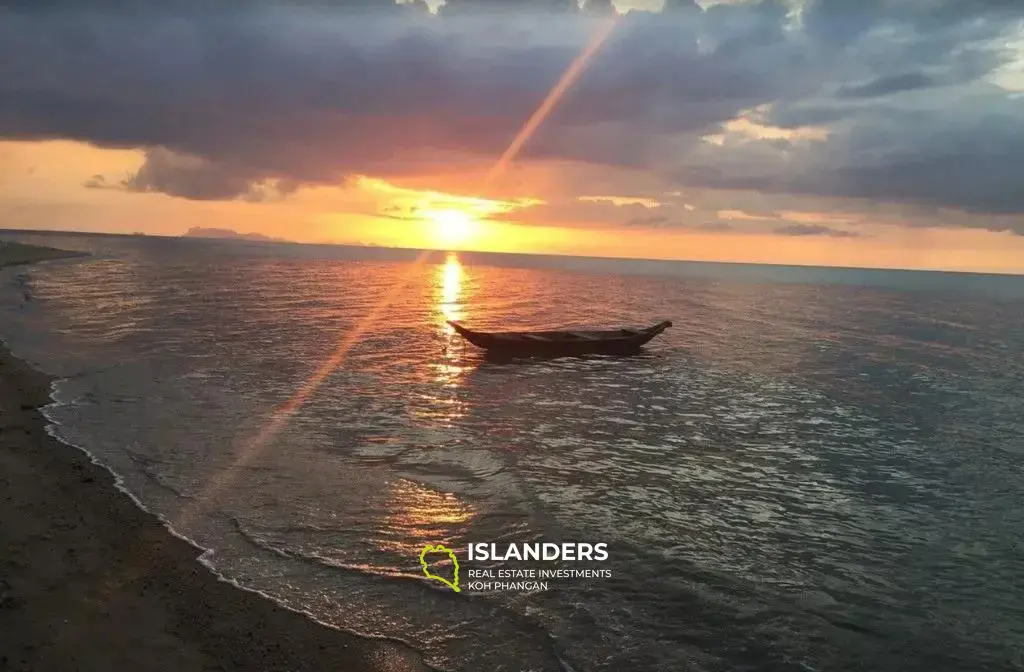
(241, 238)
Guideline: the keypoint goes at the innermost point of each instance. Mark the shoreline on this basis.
(20, 254)
(91, 581)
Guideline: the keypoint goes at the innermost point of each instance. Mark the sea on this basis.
(813, 470)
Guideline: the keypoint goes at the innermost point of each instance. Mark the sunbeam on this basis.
(255, 446)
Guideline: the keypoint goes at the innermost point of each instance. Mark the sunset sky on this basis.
(835, 132)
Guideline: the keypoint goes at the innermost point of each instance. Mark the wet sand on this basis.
(88, 581)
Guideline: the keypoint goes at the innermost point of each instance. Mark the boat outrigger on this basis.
(560, 343)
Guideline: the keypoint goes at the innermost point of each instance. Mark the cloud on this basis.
(176, 6)
(716, 227)
(599, 7)
(97, 182)
(456, 7)
(621, 201)
(586, 211)
(668, 223)
(416, 204)
(813, 230)
(650, 221)
(966, 153)
(204, 180)
(739, 223)
(744, 216)
(874, 100)
(887, 85)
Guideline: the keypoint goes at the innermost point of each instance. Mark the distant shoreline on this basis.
(89, 581)
(19, 254)
(547, 255)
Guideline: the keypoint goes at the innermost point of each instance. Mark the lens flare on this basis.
(569, 77)
(253, 447)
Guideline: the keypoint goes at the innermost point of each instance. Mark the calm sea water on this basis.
(813, 470)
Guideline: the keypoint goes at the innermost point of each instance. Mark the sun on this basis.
(451, 226)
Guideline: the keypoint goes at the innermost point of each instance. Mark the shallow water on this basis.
(812, 470)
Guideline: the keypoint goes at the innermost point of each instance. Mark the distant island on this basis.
(230, 234)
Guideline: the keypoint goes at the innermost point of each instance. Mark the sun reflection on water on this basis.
(439, 403)
(417, 515)
(450, 278)
(450, 285)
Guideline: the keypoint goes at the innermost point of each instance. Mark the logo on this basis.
(454, 583)
(506, 577)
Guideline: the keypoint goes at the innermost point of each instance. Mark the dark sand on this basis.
(88, 581)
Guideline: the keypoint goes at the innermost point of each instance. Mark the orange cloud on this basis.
(406, 203)
(740, 215)
(622, 200)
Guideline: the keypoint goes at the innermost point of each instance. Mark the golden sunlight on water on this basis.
(448, 371)
(450, 285)
(416, 515)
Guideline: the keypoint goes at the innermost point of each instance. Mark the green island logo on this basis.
(454, 583)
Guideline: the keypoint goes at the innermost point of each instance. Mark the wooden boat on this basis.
(560, 343)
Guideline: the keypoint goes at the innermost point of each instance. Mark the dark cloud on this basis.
(884, 86)
(650, 221)
(97, 182)
(203, 180)
(717, 227)
(841, 23)
(250, 102)
(456, 7)
(599, 7)
(177, 6)
(314, 97)
(966, 153)
(667, 222)
(682, 6)
(812, 230)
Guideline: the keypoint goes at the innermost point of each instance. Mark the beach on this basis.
(89, 581)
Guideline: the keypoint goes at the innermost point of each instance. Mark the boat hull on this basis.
(561, 343)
